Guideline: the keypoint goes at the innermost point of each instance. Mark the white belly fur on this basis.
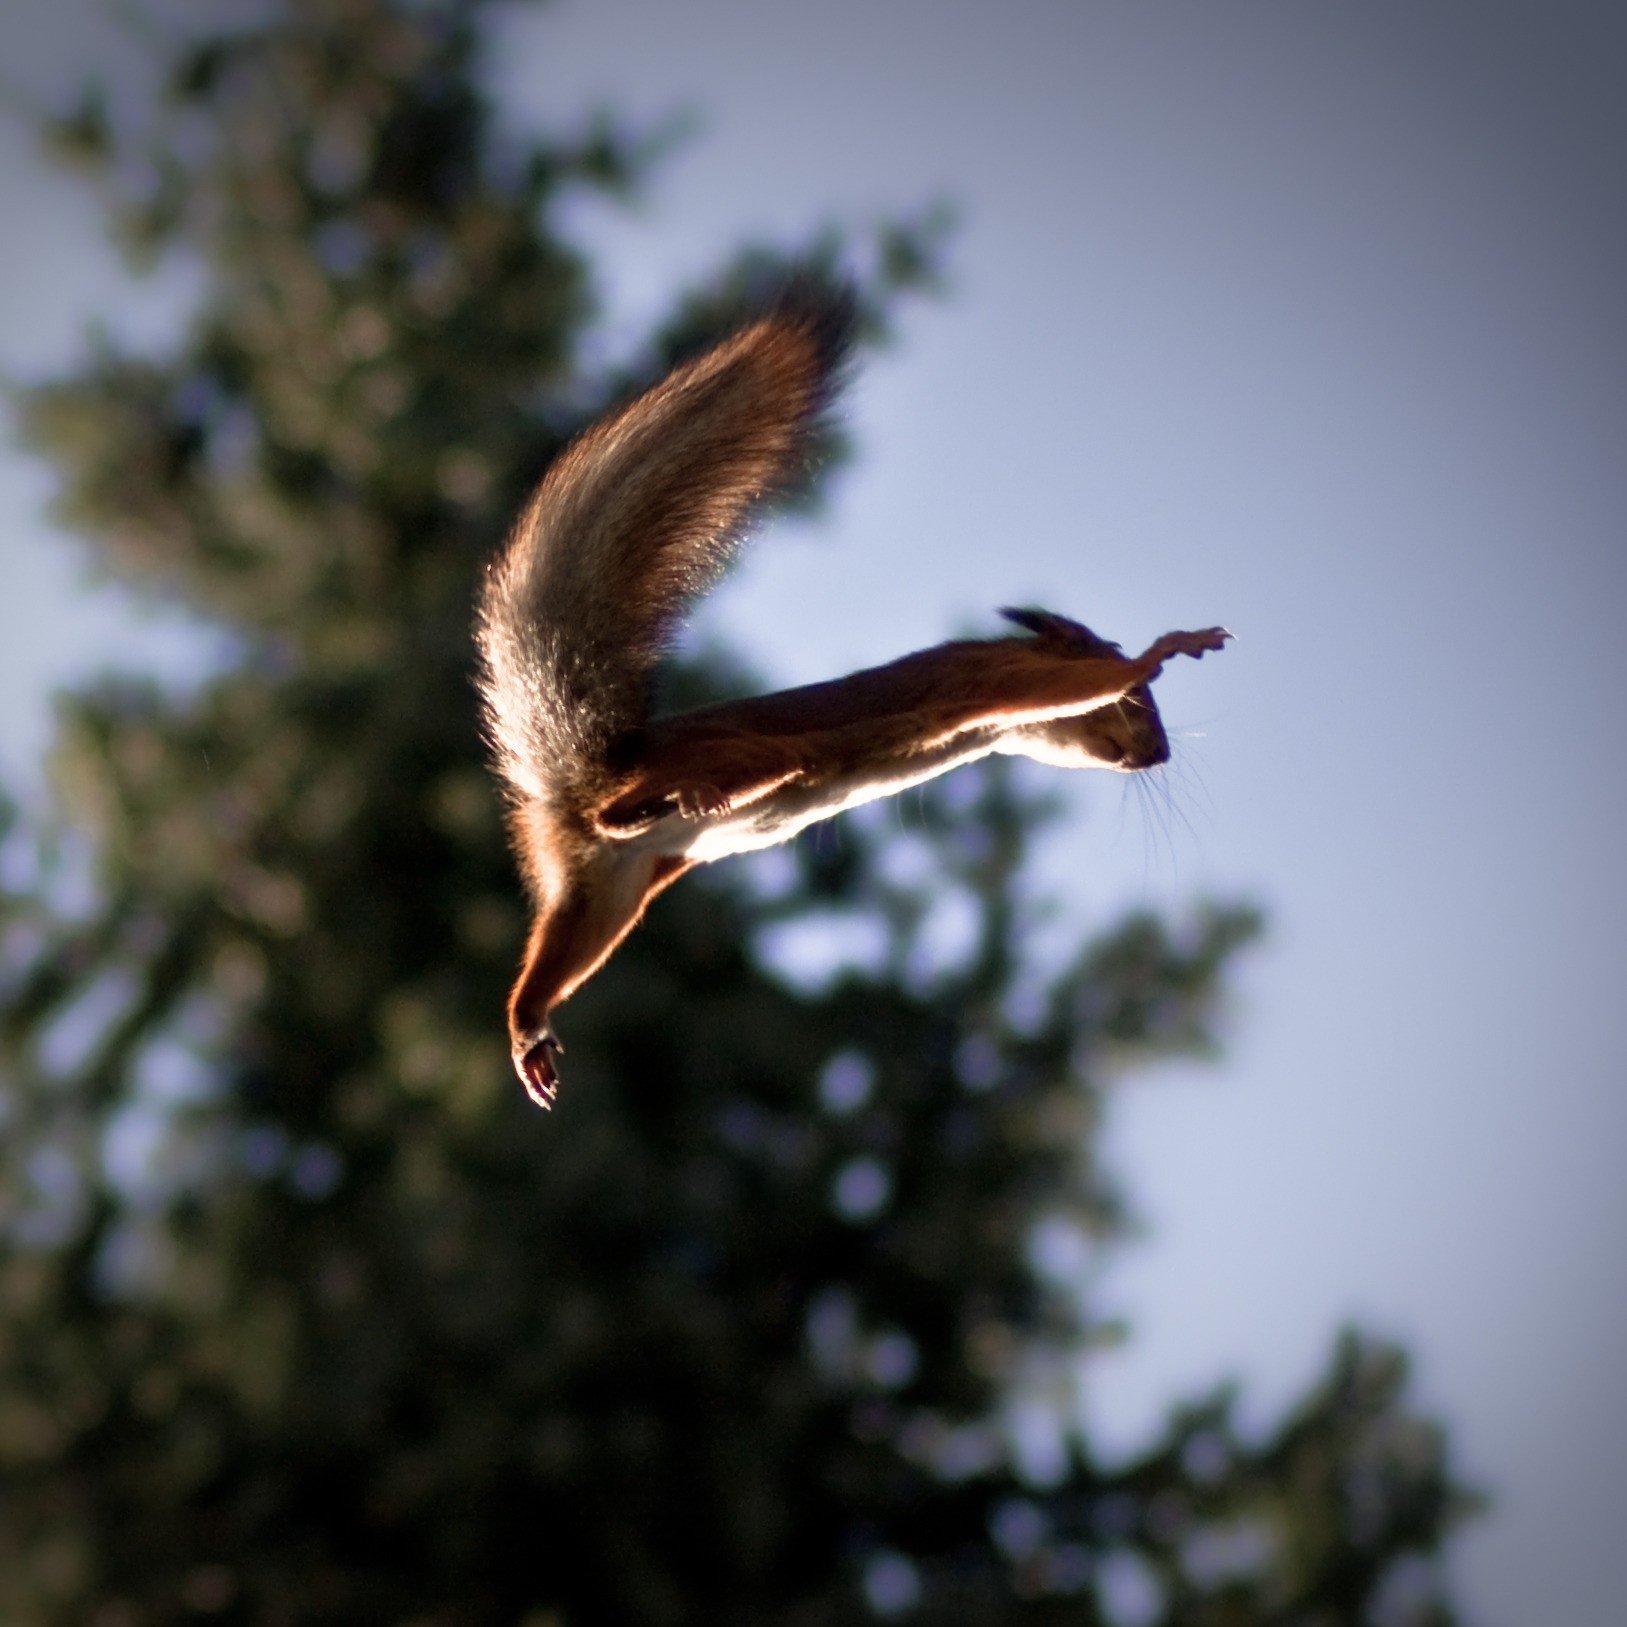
(793, 807)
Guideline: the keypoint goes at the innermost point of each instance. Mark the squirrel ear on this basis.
(1062, 629)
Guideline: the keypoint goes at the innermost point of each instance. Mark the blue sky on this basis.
(1304, 319)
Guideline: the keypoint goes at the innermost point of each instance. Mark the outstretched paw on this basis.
(1193, 644)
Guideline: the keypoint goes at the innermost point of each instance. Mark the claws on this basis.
(621, 820)
(534, 1062)
(700, 801)
(1193, 644)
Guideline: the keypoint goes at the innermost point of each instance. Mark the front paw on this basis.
(700, 801)
(1193, 644)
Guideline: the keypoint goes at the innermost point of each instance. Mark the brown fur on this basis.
(628, 527)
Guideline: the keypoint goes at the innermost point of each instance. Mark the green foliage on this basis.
(307, 1316)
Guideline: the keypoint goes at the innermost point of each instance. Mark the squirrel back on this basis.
(632, 522)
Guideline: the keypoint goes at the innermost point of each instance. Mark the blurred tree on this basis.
(305, 1315)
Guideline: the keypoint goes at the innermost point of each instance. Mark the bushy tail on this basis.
(631, 524)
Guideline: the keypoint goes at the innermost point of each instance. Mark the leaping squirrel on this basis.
(630, 525)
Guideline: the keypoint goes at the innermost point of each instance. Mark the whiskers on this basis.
(1187, 763)
(1163, 794)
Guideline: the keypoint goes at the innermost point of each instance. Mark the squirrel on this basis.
(631, 523)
